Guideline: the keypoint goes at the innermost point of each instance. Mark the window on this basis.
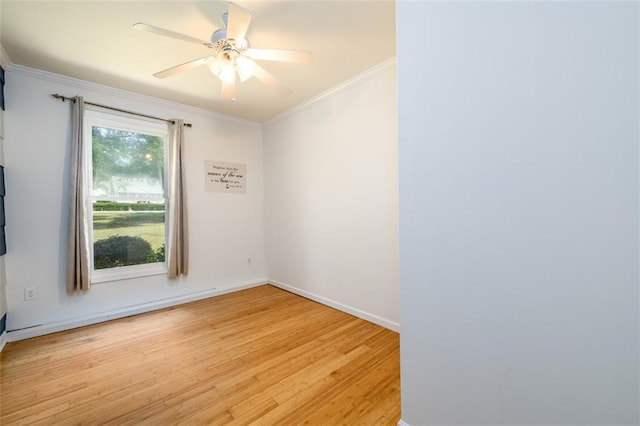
(125, 170)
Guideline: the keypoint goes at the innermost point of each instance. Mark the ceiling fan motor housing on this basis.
(221, 43)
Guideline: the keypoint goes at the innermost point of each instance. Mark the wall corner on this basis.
(4, 58)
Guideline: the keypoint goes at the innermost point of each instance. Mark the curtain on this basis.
(178, 253)
(78, 251)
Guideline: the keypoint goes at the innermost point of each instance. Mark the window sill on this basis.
(128, 272)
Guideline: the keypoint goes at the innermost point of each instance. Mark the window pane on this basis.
(127, 234)
(126, 164)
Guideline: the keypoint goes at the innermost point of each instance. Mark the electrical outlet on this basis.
(30, 293)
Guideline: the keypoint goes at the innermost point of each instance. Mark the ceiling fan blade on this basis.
(229, 90)
(167, 33)
(238, 20)
(280, 55)
(269, 80)
(182, 67)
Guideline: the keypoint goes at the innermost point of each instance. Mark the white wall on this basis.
(518, 148)
(331, 198)
(225, 229)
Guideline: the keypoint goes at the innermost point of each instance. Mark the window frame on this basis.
(99, 118)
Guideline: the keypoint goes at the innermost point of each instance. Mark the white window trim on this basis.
(127, 272)
(93, 117)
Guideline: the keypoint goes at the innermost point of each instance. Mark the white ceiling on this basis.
(94, 41)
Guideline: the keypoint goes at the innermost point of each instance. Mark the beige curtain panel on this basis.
(78, 252)
(178, 254)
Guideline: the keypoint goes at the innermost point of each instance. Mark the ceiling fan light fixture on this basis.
(214, 66)
(223, 66)
(228, 74)
(245, 67)
(226, 63)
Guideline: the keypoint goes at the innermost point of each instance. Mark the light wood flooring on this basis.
(261, 355)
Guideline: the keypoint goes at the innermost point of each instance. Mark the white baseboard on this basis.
(383, 322)
(3, 340)
(402, 423)
(39, 330)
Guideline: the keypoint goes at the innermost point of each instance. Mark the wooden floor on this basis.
(262, 356)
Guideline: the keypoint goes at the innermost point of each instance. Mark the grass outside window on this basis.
(123, 238)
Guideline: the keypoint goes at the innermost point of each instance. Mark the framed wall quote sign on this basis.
(225, 177)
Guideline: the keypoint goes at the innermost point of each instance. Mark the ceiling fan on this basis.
(232, 57)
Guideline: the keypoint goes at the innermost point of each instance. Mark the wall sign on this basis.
(225, 177)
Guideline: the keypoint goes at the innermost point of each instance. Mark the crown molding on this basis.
(112, 91)
(352, 82)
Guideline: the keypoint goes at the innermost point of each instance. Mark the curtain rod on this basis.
(64, 98)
